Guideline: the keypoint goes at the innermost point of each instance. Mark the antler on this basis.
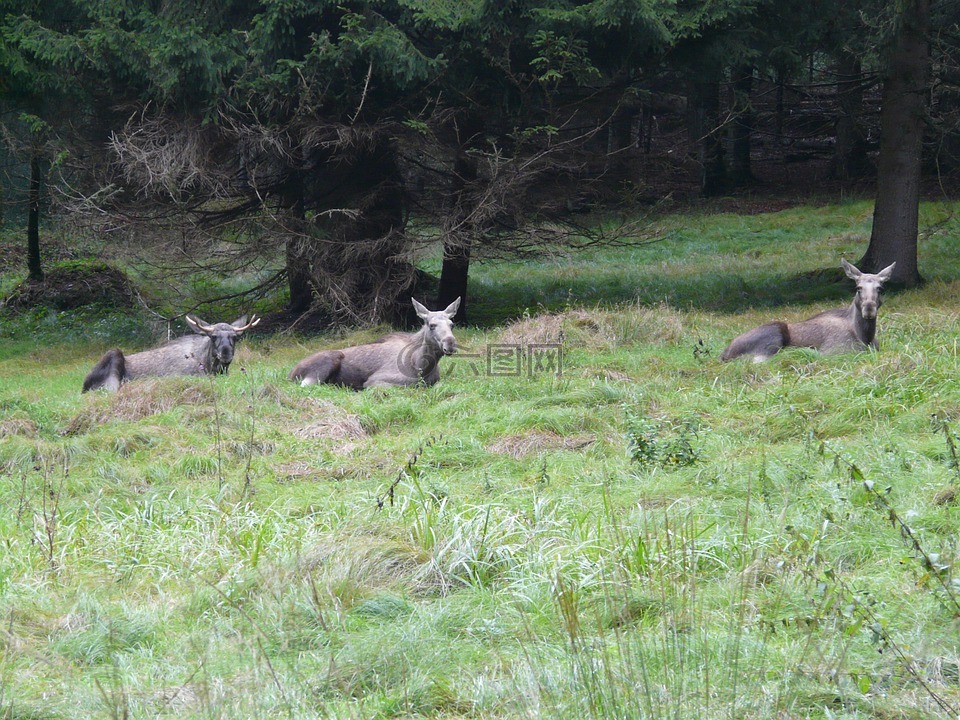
(253, 321)
(199, 325)
(195, 322)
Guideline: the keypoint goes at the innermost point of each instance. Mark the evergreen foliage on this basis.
(335, 135)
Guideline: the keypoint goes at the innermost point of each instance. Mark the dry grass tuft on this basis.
(946, 496)
(137, 400)
(546, 328)
(519, 446)
(599, 329)
(354, 566)
(18, 426)
(331, 423)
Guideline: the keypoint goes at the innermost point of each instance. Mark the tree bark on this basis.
(34, 267)
(897, 208)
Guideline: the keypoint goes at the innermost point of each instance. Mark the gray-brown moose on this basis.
(838, 330)
(209, 350)
(396, 359)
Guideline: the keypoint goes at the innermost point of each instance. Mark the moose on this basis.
(209, 350)
(839, 330)
(397, 359)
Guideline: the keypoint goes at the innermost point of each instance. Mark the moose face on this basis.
(868, 288)
(438, 326)
(223, 337)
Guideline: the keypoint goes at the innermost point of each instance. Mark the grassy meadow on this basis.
(649, 534)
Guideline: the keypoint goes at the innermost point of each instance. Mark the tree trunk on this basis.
(453, 278)
(455, 271)
(896, 213)
(704, 103)
(298, 260)
(622, 142)
(34, 268)
(948, 105)
(458, 234)
(358, 265)
(778, 113)
(850, 153)
(646, 127)
(298, 277)
(742, 171)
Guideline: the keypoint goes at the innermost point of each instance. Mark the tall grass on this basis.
(650, 534)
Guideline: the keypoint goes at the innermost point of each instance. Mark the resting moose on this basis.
(397, 359)
(839, 330)
(210, 350)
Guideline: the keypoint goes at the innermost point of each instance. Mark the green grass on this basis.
(654, 534)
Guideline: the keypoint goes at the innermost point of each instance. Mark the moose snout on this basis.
(869, 310)
(449, 345)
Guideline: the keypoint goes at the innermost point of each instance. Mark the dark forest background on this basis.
(333, 143)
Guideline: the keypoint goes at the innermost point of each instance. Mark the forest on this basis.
(687, 442)
(332, 143)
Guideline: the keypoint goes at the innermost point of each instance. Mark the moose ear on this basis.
(850, 270)
(240, 321)
(885, 274)
(451, 310)
(422, 311)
